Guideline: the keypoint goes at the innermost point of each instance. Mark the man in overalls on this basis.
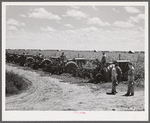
(116, 75)
(130, 91)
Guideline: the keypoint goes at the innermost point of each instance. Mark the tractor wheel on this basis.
(29, 62)
(98, 78)
(71, 67)
(45, 62)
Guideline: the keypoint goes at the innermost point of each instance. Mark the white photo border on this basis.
(69, 115)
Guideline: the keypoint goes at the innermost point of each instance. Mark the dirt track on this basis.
(61, 93)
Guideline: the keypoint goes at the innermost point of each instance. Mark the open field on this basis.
(112, 55)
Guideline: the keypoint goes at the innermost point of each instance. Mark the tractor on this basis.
(95, 70)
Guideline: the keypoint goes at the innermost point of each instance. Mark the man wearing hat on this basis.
(130, 91)
(116, 74)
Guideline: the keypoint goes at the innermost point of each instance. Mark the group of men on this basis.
(116, 78)
(116, 75)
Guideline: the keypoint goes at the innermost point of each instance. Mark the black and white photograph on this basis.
(75, 61)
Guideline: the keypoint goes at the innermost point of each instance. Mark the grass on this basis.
(15, 84)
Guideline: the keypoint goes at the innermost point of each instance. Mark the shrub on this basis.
(14, 83)
(139, 67)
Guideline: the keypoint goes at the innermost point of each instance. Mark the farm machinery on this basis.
(15, 58)
(77, 67)
(53, 65)
(24, 60)
(95, 70)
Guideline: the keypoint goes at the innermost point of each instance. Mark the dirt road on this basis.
(62, 93)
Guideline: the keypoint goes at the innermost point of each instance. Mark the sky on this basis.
(77, 27)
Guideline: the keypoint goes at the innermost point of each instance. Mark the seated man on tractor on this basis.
(63, 58)
(103, 60)
(39, 57)
(60, 63)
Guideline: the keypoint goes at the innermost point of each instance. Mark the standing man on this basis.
(130, 91)
(116, 75)
(114, 79)
(119, 72)
(103, 60)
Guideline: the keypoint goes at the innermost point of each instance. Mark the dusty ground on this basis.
(64, 93)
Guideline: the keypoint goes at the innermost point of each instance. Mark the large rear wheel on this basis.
(99, 78)
(71, 67)
(45, 63)
(29, 62)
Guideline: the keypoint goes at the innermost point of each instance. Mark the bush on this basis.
(139, 68)
(15, 84)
